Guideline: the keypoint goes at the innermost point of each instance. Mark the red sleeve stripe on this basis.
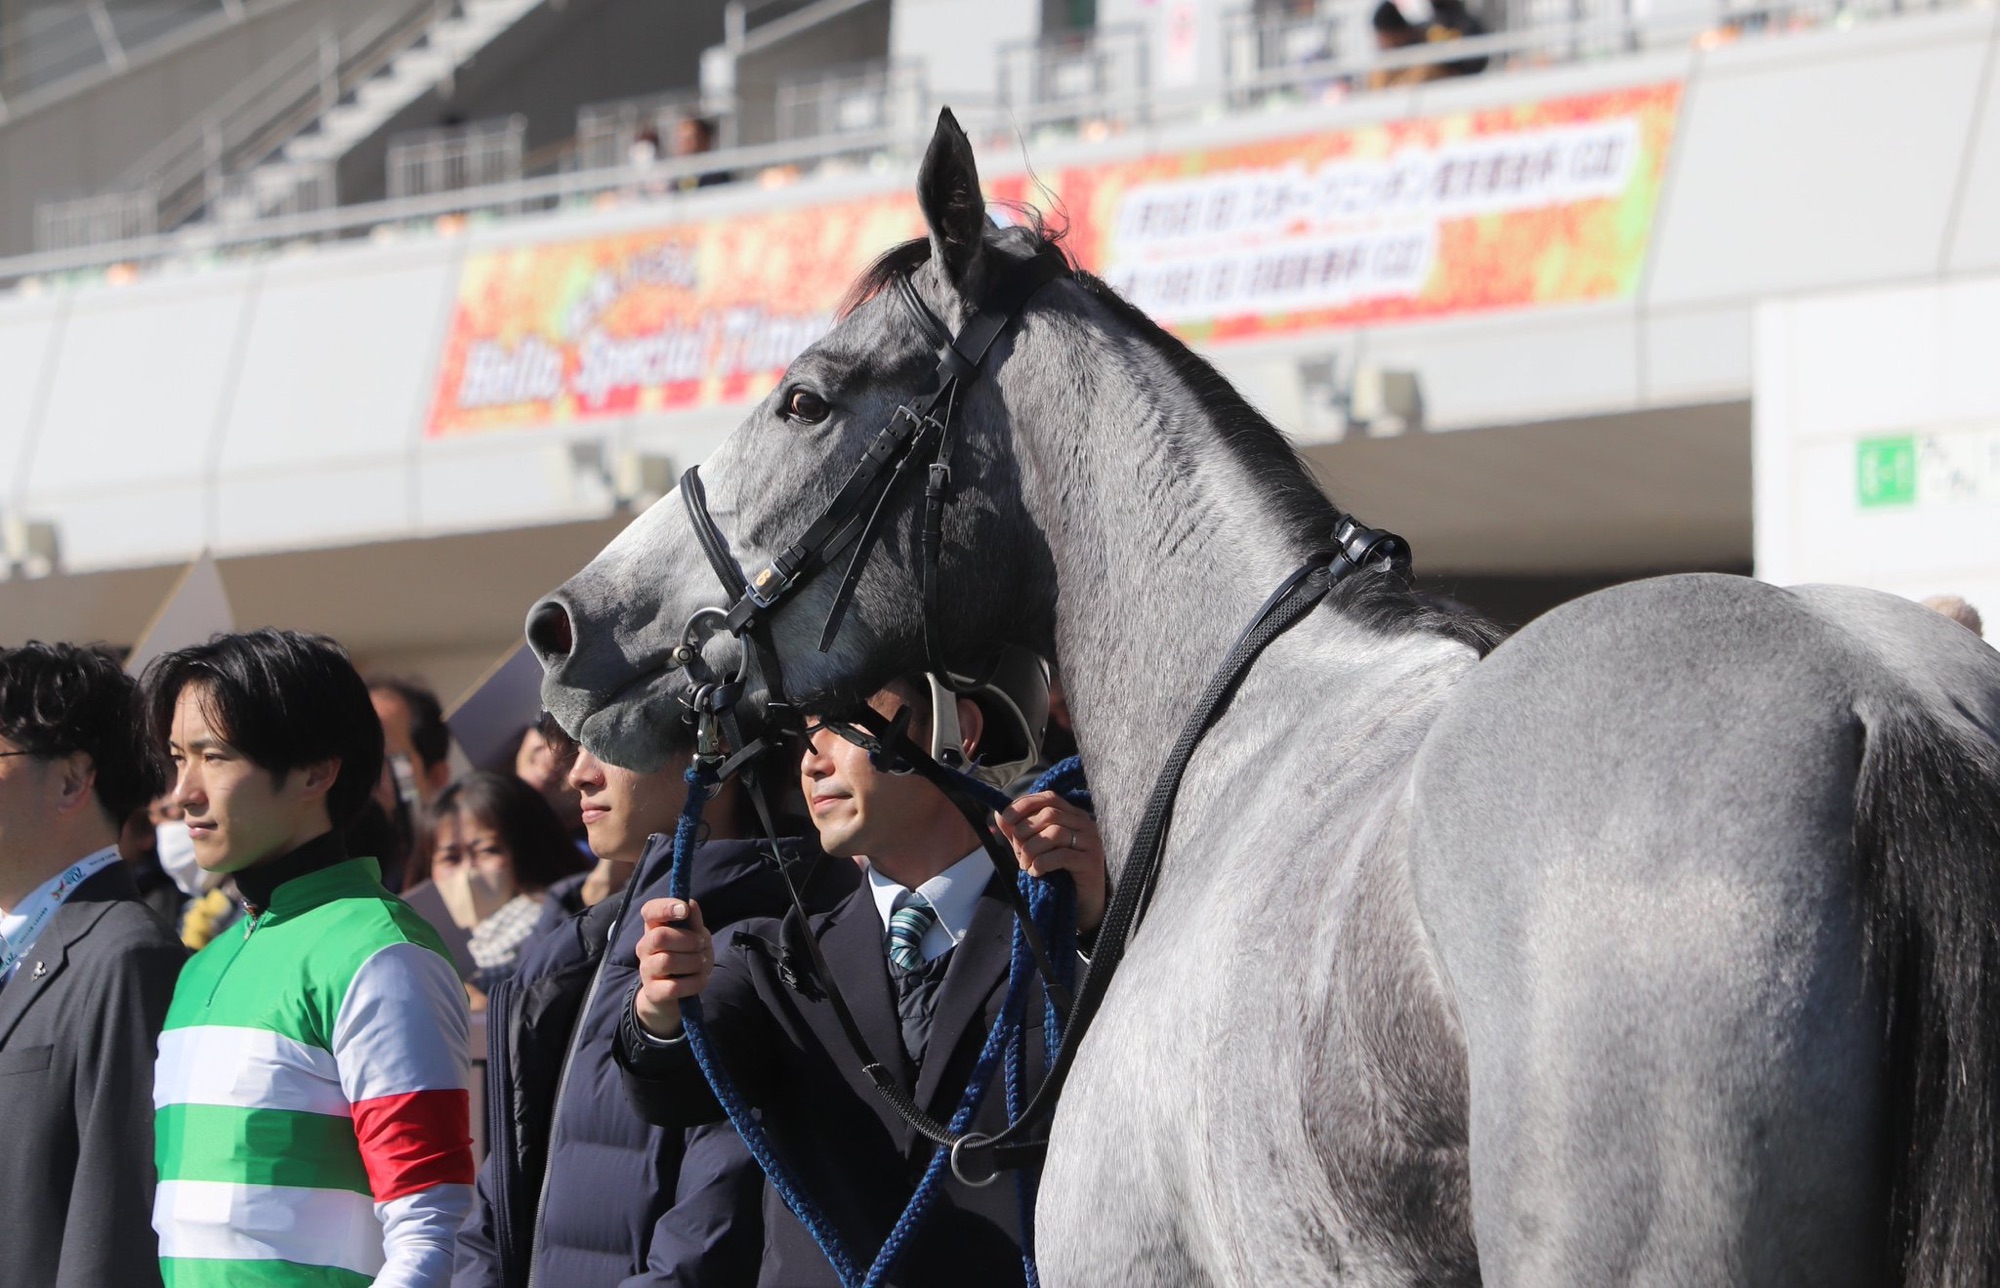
(414, 1141)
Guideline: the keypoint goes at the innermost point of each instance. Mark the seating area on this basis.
(273, 162)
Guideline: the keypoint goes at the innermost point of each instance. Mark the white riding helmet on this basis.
(1013, 695)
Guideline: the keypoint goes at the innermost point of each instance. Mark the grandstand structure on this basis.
(400, 308)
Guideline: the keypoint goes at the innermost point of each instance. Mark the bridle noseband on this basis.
(852, 519)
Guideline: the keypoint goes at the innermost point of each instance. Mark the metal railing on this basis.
(663, 179)
(253, 121)
(1257, 44)
(456, 157)
(1077, 78)
(46, 45)
(275, 190)
(850, 100)
(92, 221)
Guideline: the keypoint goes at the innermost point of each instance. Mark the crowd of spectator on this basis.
(291, 1104)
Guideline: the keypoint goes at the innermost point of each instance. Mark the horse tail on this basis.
(1927, 833)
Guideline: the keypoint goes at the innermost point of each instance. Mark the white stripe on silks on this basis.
(403, 1026)
(214, 1219)
(217, 1064)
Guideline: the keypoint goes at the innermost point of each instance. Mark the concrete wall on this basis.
(1824, 160)
(959, 41)
(1878, 440)
(84, 143)
(281, 404)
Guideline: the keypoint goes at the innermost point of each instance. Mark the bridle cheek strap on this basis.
(854, 515)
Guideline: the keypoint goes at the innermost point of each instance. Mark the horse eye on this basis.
(806, 407)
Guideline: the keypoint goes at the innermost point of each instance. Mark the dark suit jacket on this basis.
(79, 1024)
(851, 1151)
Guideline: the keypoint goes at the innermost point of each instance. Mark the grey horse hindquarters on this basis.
(1635, 851)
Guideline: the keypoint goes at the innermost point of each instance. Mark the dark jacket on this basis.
(852, 1152)
(624, 1202)
(156, 889)
(79, 1023)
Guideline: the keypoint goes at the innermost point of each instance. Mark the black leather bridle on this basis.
(852, 519)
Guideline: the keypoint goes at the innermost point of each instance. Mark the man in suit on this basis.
(86, 973)
(920, 952)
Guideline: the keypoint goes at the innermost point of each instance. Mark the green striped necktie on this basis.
(908, 924)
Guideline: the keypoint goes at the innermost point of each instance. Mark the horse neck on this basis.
(1163, 546)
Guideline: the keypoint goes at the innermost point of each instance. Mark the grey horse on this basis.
(1655, 945)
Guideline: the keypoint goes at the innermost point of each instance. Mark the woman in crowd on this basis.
(496, 848)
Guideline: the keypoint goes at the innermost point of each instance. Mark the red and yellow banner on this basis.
(691, 315)
(1548, 202)
(1540, 203)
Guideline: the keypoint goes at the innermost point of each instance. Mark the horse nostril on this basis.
(549, 631)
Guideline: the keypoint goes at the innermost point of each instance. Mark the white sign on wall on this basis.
(1877, 441)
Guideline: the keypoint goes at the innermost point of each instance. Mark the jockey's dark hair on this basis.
(285, 699)
(57, 700)
(1379, 597)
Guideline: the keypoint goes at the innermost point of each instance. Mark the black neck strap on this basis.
(976, 1158)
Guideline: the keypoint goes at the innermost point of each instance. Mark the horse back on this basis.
(1656, 843)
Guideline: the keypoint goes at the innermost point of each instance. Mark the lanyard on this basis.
(32, 917)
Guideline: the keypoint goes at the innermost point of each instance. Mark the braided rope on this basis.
(701, 785)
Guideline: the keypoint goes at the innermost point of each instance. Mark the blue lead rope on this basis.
(1052, 904)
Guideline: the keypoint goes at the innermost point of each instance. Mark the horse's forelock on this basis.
(909, 256)
(891, 264)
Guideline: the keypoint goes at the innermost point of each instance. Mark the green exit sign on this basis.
(1885, 471)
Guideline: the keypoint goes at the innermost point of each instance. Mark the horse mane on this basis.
(1377, 597)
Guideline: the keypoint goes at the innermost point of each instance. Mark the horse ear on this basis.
(948, 193)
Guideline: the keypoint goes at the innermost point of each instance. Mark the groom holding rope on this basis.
(920, 952)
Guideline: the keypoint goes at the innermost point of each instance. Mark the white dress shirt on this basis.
(953, 894)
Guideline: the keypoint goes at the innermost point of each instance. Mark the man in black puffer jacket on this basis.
(576, 1189)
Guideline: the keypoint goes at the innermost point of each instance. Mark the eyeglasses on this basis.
(16, 753)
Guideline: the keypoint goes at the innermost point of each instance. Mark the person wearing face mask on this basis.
(920, 952)
(496, 847)
(151, 836)
(86, 973)
(312, 1085)
(575, 1189)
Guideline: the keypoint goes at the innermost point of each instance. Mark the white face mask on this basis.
(471, 896)
(175, 847)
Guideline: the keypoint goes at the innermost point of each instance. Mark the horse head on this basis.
(608, 637)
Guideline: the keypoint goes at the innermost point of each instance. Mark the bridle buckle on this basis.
(768, 586)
